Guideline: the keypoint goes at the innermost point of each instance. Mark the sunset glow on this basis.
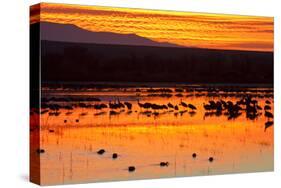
(185, 29)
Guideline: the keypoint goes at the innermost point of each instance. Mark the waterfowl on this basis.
(267, 107)
(114, 155)
(129, 105)
(39, 151)
(164, 164)
(131, 168)
(268, 124)
(170, 105)
(268, 114)
(183, 104)
(192, 107)
(101, 151)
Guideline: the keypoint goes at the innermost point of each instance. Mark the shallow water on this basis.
(144, 140)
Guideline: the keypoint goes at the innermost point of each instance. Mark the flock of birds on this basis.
(131, 168)
(232, 110)
(161, 164)
(116, 108)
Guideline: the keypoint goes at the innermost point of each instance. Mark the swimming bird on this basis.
(39, 151)
(101, 151)
(131, 168)
(164, 164)
(114, 155)
(194, 155)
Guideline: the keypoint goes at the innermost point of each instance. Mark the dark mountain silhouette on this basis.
(87, 62)
(72, 33)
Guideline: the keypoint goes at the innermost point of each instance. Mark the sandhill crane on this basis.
(183, 104)
(164, 164)
(170, 105)
(268, 124)
(207, 106)
(268, 114)
(192, 107)
(140, 104)
(128, 105)
(267, 107)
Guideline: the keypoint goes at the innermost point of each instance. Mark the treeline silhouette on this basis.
(62, 61)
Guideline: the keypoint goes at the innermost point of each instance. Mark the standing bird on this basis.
(267, 102)
(141, 105)
(267, 107)
(267, 125)
(129, 105)
(207, 106)
(170, 105)
(192, 107)
(183, 104)
(268, 114)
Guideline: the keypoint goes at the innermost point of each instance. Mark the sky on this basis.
(200, 30)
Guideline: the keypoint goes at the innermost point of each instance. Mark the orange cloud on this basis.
(200, 30)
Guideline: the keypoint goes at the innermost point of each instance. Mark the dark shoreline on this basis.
(150, 84)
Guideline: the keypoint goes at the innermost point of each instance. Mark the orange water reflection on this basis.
(239, 145)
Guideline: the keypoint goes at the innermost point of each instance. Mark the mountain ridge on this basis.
(72, 33)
